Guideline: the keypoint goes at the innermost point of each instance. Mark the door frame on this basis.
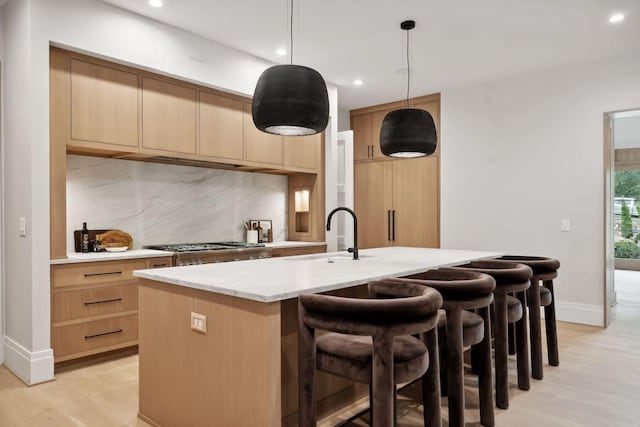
(609, 192)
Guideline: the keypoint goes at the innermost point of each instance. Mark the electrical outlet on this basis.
(199, 322)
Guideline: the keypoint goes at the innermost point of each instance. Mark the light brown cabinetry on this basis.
(299, 250)
(94, 306)
(303, 152)
(396, 203)
(168, 116)
(104, 104)
(221, 128)
(260, 147)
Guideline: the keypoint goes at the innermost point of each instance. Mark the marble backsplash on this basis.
(161, 203)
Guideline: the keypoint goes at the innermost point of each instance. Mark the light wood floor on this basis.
(597, 384)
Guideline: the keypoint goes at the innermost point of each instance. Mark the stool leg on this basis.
(522, 345)
(485, 384)
(455, 368)
(535, 329)
(501, 356)
(431, 382)
(306, 375)
(383, 382)
(512, 339)
(550, 323)
(442, 342)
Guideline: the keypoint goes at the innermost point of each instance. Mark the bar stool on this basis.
(510, 278)
(462, 291)
(369, 341)
(544, 270)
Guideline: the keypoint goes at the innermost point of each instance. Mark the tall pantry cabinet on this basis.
(397, 201)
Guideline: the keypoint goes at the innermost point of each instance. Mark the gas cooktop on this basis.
(198, 247)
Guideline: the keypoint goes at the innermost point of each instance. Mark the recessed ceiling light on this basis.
(155, 3)
(357, 82)
(616, 18)
(281, 52)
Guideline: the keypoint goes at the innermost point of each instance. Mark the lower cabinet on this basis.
(298, 250)
(94, 306)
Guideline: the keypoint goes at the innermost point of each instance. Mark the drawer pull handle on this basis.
(103, 301)
(103, 274)
(164, 264)
(117, 331)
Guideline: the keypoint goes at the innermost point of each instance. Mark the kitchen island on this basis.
(243, 370)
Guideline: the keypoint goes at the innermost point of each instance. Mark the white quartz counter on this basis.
(74, 257)
(276, 279)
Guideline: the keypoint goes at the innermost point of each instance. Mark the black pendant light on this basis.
(408, 132)
(290, 99)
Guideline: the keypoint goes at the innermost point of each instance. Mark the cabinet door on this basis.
(260, 147)
(168, 117)
(416, 202)
(303, 152)
(372, 202)
(104, 104)
(433, 108)
(221, 127)
(361, 126)
(377, 118)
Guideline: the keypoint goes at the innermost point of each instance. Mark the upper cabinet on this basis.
(260, 147)
(168, 116)
(107, 109)
(303, 152)
(221, 127)
(366, 124)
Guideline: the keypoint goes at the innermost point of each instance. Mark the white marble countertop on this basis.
(276, 279)
(73, 257)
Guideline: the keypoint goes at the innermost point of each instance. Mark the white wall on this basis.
(1, 182)
(159, 203)
(97, 28)
(344, 120)
(520, 154)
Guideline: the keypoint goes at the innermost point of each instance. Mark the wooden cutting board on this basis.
(115, 238)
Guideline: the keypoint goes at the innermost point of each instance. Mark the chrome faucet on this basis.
(354, 249)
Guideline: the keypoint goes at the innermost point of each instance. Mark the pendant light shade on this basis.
(408, 132)
(290, 100)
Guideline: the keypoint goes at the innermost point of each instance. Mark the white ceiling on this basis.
(454, 44)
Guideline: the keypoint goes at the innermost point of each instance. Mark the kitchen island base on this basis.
(242, 372)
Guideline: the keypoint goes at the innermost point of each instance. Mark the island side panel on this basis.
(229, 376)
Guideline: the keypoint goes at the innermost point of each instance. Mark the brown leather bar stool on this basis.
(370, 341)
(544, 271)
(510, 278)
(462, 291)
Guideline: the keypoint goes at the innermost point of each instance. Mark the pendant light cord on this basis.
(408, 69)
(291, 34)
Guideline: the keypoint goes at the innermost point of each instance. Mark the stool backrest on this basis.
(403, 310)
(509, 276)
(540, 265)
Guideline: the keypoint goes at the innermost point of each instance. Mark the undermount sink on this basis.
(327, 257)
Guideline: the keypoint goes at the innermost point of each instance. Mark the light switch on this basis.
(199, 322)
(23, 227)
(565, 225)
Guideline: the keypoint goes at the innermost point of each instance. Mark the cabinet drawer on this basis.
(95, 273)
(92, 302)
(302, 250)
(91, 337)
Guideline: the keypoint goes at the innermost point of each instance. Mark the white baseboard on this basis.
(586, 314)
(31, 367)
